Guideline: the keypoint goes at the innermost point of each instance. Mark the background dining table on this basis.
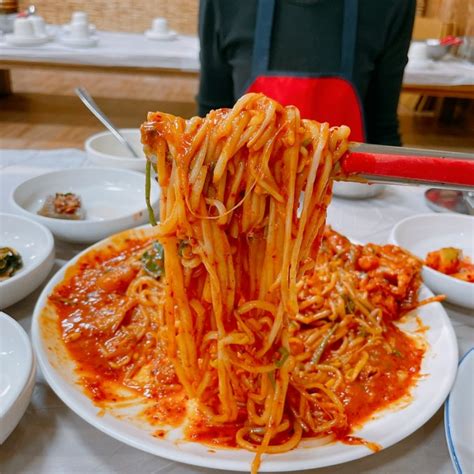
(135, 54)
(52, 439)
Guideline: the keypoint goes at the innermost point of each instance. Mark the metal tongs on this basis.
(399, 165)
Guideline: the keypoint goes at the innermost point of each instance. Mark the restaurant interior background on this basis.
(47, 184)
(43, 111)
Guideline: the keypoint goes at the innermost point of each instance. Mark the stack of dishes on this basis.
(29, 31)
(79, 33)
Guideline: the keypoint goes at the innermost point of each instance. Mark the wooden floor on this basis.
(444, 133)
(43, 112)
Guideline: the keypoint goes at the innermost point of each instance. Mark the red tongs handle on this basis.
(450, 41)
(383, 164)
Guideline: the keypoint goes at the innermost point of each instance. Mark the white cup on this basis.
(23, 27)
(79, 17)
(79, 30)
(39, 26)
(160, 25)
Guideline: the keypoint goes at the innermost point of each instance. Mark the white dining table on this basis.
(52, 439)
(133, 51)
(449, 71)
(113, 49)
(116, 52)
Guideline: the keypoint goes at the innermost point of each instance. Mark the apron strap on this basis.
(263, 35)
(349, 37)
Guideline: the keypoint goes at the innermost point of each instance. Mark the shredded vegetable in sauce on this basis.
(10, 262)
(242, 313)
(347, 361)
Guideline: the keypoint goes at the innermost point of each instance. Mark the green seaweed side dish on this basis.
(10, 262)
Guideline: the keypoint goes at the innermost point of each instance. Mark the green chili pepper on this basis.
(284, 355)
(153, 260)
(151, 212)
(271, 376)
(181, 246)
(349, 304)
(320, 349)
(397, 353)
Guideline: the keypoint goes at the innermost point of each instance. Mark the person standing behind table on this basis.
(340, 61)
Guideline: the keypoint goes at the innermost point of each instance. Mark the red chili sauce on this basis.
(83, 306)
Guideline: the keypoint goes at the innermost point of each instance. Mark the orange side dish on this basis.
(452, 262)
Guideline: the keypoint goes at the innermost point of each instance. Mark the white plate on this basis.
(17, 374)
(89, 42)
(113, 199)
(35, 243)
(459, 417)
(103, 149)
(15, 40)
(390, 426)
(424, 233)
(153, 35)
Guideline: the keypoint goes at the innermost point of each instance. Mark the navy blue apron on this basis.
(323, 96)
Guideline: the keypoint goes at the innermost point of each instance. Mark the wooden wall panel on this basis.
(457, 15)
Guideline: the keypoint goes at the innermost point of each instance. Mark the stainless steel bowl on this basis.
(435, 50)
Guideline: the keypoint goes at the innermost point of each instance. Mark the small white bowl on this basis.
(17, 374)
(356, 190)
(35, 244)
(425, 233)
(103, 149)
(113, 200)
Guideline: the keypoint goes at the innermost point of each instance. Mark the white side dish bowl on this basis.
(17, 374)
(356, 190)
(425, 233)
(103, 149)
(35, 244)
(459, 417)
(113, 200)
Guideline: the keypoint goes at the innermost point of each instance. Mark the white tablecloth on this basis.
(113, 49)
(135, 50)
(51, 439)
(449, 71)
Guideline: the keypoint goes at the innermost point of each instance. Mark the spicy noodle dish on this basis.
(240, 316)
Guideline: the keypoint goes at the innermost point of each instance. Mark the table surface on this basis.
(135, 50)
(449, 71)
(114, 49)
(51, 439)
